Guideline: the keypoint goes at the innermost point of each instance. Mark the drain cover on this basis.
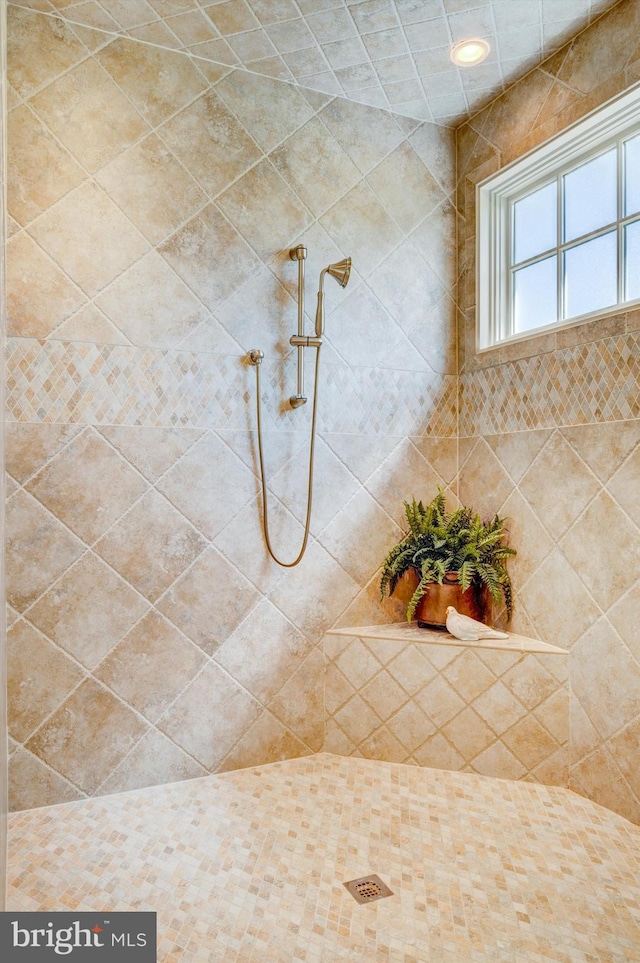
(367, 889)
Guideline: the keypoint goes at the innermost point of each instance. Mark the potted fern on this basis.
(455, 558)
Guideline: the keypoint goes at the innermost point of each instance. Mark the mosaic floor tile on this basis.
(250, 866)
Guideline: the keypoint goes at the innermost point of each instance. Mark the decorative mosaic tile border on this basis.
(82, 383)
(584, 384)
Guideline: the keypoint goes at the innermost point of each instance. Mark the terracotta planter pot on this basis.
(431, 611)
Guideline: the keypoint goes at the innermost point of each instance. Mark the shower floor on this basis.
(249, 866)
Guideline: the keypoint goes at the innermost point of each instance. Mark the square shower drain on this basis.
(367, 889)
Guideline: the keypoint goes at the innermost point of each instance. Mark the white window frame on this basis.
(494, 198)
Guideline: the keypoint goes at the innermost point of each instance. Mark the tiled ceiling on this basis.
(387, 53)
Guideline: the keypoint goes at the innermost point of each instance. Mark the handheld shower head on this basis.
(341, 271)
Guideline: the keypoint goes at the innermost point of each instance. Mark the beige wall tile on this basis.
(39, 294)
(38, 550)
(271, 111)
(597, 56)
(151, 545)
(151, 666)
(210, 256)
(468, 734)
(58, 49)
(312, 162)
(343, 118)
(333, 590)
(300, 705)
(558, 485)
(382, 744)
(384, 695)
(158, 82)
(530, 742)
(289, 484)
(468, 675)
(358, 222)
(530, 682)
(557, 602)
(281, 213)
(411, 669)
(527, 535)
(437, 753)
(606, 679)
(604, 447)
(214, 261)
(151, 450)
(90, 115)
(554, 716)
(406, 187)
(499, 708)
(29, 447)
(88, 610)
(209, 601)
(263, 652)
(39, 170)
(239, 541)
(266, 738)
(484, 484)
(33, 784)
(67, 486)
(89, 325)
(89, 238)
(361, 556)
(210, 717)
(152, 188)
(205, 128)
(164, 321)
(498, 759)
(39, 677)
(608, 565)
(209, 485)
(598, 778)
(87, 736)
(439, 700)
(153, 761)
(358, 719)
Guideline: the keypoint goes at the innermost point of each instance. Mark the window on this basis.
(559, 230)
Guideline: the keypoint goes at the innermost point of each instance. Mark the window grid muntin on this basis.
(562, 246)
(617, 119)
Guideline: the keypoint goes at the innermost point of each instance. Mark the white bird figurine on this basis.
(468, 630)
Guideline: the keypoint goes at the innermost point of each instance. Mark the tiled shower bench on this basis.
(405, 694)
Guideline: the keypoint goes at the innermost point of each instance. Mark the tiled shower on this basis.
(152, 201)
(151, 638)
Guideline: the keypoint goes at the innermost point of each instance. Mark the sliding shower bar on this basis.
(341, 272)
(299, 254)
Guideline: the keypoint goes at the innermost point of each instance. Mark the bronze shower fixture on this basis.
(340, 271)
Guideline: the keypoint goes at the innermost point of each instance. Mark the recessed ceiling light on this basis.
(467, 53)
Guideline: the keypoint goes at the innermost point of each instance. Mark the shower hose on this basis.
(312, 445)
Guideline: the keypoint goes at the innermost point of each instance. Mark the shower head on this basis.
(341, 271)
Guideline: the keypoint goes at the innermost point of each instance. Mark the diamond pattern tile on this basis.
(550, 389)
(470, 702)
